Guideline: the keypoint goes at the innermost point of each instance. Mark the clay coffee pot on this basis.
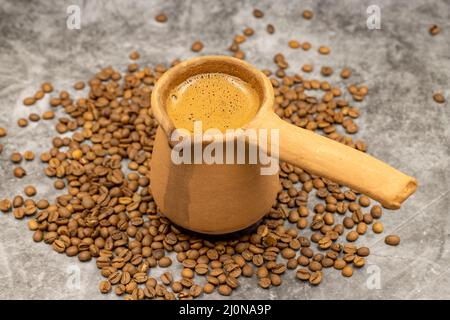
(222, 198)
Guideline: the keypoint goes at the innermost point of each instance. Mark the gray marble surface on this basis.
(401, 63)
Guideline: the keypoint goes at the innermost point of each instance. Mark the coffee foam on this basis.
(218, 100)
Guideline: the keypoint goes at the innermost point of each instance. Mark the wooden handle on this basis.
(340, 163)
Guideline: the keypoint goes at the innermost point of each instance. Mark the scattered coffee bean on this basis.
(377, 227)
(364, 201)
(307, 14)
(161, 18)
(294, 44)
(324, 50)
(306, 45)
(347, 271)
(376, 212)
(307, 68)
(19, 172)
(42, 204)
(270, 29)
(47, 87)
(326, 71)
(315, 278)
(34, 117)
(248, 32)
(164, 262)
(16, 157)
(208, 288)
(224, 290)
(28, 101)
(339, 264)
(47, 115)
(439, 98)
(79, 85)
(258, 13)
(197, 46)
(17, 201)
(30, 191)
(84, 256)
(105, 286)
(22, 122)
(28, 155)
(346, 73)
(392, 240)
(59, 184)
(3, 132)
(5, 205)
(352, 236)
(265, 282)
(39, 95)
(134, 55)
(363, 251)
(434, 30)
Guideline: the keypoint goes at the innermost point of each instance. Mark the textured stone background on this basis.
(401, 64)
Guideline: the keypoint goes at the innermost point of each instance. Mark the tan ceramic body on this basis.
(210, 199)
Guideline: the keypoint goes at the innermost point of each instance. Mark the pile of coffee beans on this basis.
(107, 212)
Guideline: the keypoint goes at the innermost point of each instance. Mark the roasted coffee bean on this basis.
(28, 155)
(17, 201)
(364, 201)
(439, 98)
(105, 286)
(34, 117)
(224, 290)
(324, 50)
(197, 46)
(22, 122)
(28, 101)
(377, 227)
(315, 278)
(265, 283)
(30, 191)
(359, 262)
(376, 212)
(5, 205)
(164, 262)
(47, 115)
(303, 274)
(294, 44)
(161, 18)
(258, 13)
(361, 228)
(347, 271)
(84, 256)
(346, 73)
(307, 14)
(392, 240)
(247, 270)
(363, 251)
(434, 30)
(59, 184)
(352, 236)
(47, 87)
(80, 84)
(166, 278)
(16, 157)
